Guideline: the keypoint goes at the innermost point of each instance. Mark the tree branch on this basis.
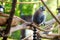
(17, 20)
(9, 20)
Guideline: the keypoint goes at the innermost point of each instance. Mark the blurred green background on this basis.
(29, 9)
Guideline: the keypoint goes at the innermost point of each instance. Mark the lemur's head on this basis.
(1, 8)
(42, 8)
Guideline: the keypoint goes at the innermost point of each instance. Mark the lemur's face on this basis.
(42, 8)
(1, 8)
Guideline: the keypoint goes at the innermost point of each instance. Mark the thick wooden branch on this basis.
(16, 20)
